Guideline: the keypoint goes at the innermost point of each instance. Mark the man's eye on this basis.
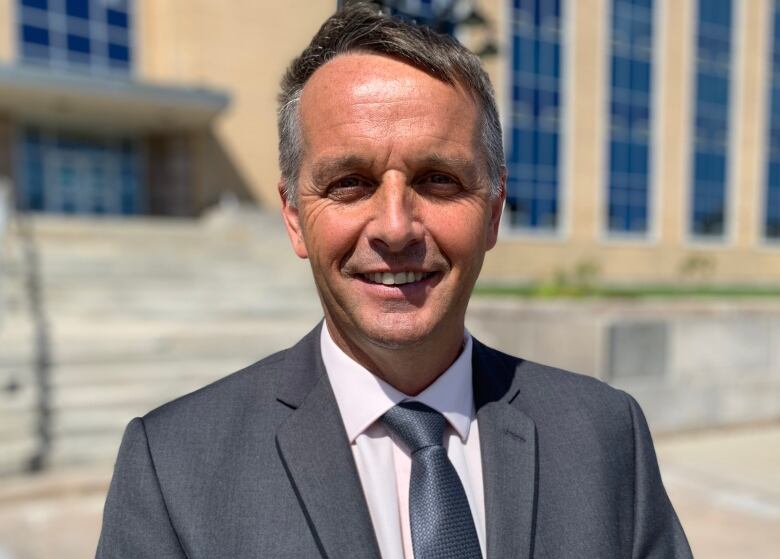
(439, 178)
(349, 182)
(348, 188)
(439, 184)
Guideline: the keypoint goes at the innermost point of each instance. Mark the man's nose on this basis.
(395, 225)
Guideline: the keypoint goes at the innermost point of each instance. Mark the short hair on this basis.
(363, 28)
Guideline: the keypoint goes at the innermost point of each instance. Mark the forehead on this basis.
(367, 96)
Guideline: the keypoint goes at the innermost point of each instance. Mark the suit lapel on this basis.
(315, 451)
(509, 459)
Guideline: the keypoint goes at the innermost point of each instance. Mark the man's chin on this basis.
(398, 333)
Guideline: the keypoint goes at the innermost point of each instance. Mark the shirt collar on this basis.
(363, 397)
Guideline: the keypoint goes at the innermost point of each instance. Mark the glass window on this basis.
(532, 186)
(66, 173)
(771, 216)
(711, 126)
(631, 96)
(77, 8)
(79, 35)
(117, 18)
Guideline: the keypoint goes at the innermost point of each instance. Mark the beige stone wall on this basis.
(674, 73)
(243, 47)
(7, 31)
(585, 75)
(750, 132)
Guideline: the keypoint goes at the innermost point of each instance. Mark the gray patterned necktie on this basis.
(442, 525)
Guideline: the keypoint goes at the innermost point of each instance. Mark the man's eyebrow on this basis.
(444, 161)
(325, 168)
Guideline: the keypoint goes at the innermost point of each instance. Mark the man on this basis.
(388, 431)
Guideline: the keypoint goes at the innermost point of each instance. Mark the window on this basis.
(70, 173)
(772, 192)
(534, 136)
(630, 113)
(711, 123)
(89, 35)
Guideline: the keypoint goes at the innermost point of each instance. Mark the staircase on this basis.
(132, 313)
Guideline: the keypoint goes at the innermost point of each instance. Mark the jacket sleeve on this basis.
(135, 518)
(657, 530)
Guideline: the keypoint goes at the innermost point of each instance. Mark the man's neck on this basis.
(408, 369)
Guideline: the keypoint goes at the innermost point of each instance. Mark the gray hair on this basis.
(362, 27)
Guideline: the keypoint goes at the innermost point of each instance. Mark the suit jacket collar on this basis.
(509, 455)
(331, 494)
(315, 451)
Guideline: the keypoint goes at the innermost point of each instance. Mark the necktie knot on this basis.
(416, 424)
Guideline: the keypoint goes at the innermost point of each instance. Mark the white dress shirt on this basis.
(383, 461)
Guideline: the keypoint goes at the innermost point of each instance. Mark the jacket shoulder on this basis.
(545, 391)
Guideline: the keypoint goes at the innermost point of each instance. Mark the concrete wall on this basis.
(690, 364)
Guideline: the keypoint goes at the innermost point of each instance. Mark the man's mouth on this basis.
(397, 278)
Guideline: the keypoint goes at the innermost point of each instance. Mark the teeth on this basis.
(400, 278)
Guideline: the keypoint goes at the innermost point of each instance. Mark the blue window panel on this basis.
(630, 100)
(638, 160)
(771, 218)
(640, 76)
(526, 101)
(715, 12)
(117, 18)
(84, 20)
(712, 89)
(548, 9)
(35, 35)
(621, 72)
(548, 58)
(711, 133)
(78, 44)
(640, 115)
(522, 150)
(524, 55)
(619, 156)
(546, 104)
(118, 52)
(547, 149)
(74, 174)
(775, 94)
(532, 196)
(77, 8)
(620, 112)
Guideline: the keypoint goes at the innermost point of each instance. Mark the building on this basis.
(141, 106)
(640, 136)
(642, 140)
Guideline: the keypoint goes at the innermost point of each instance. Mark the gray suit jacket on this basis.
(258, 465)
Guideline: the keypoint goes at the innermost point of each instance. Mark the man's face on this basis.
(393, 210)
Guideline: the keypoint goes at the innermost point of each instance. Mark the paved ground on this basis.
(724, 484)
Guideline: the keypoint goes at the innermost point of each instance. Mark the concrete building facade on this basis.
(664, 165)
(641, 139)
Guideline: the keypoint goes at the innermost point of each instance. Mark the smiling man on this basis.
(389, 431)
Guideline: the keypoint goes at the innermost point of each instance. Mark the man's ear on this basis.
(496, 207)
(292, 222)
